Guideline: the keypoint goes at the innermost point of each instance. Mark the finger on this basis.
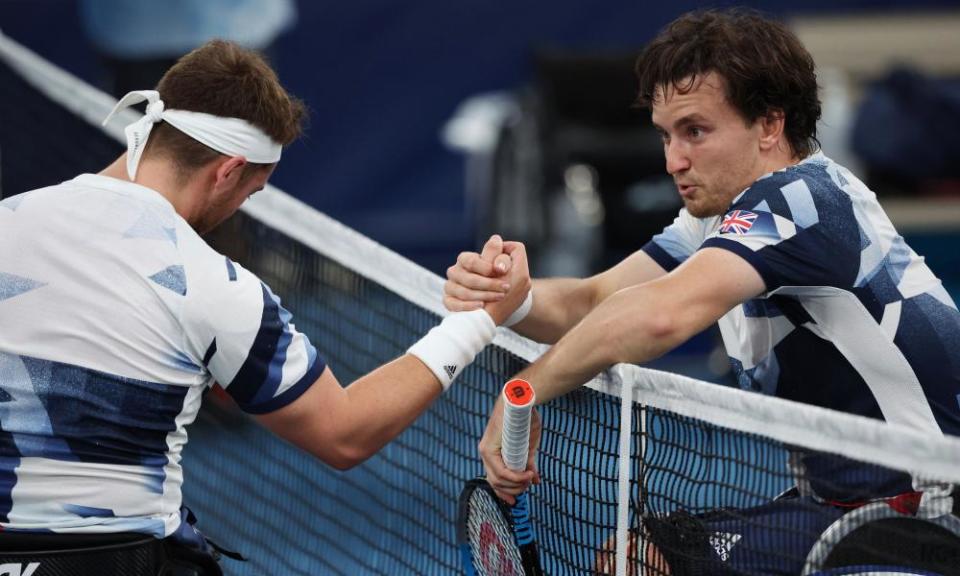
(511, 488)
(605, 558)
(472, 262)
(533, 468)
(463, 286)
(492, 248)
(464, 294)
(506, 491)
(502, 263)
(501, 477)
(498, 473)
(505, 496)
(511, 247)
(518, 259)
(456, 305)
(516, 483)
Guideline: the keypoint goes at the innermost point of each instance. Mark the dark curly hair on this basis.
(765, 67)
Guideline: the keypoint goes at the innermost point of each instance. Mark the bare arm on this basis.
(642, 322)
(558, 304)
(636, 324)
(345, 426)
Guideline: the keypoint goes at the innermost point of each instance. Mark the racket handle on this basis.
(518, 401)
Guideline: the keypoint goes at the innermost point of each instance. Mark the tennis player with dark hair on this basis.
(819, 300)
(116, 316)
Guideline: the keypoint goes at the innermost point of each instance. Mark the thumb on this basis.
(492, 249)
(514, 248)
(502, 263)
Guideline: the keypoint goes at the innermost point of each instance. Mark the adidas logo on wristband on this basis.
(453, 344)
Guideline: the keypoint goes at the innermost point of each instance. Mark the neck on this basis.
(779, 158)
(160, 175)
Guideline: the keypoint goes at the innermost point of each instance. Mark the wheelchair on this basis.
(47, 554)
(876, 540)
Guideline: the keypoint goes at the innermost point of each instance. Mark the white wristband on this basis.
(521, 312)
(452, 345)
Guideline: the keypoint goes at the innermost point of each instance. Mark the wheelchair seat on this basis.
(123, 554)
(47, 554)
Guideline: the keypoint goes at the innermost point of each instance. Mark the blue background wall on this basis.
(381, 79)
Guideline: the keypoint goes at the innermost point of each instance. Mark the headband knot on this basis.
(155, 111)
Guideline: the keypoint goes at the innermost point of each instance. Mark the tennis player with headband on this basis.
(117, 316)
(819, 300)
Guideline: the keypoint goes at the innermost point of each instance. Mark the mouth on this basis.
(686, 190)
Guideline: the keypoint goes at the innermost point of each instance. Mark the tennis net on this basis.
(634, 445)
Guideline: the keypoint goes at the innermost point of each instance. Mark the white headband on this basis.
(230, 136)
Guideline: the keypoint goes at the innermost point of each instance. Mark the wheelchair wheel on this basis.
(875, 539)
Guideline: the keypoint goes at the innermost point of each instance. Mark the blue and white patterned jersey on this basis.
(852, 320)
(115, 316)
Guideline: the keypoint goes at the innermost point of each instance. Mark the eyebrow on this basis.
(695, 118)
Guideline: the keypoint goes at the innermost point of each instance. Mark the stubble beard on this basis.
(706, 209)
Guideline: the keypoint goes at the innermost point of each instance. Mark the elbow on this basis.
(343, 464)
(648, 337)
(662, 326)
(340, 452)
(346, 456)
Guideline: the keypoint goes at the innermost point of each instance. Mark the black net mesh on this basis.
(41, 142)
(396, 513)
(704, 495)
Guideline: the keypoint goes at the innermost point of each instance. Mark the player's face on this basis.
(711, 152)
(222, 204)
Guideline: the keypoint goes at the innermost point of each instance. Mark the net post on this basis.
(623, 495)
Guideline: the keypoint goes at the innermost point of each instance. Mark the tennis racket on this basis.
(497, 539)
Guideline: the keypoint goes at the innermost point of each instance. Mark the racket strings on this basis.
(494, 551)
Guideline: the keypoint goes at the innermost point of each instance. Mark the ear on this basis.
(771, 129)
(228, 173)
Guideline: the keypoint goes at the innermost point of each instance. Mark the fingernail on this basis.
(506, 287)
(502, 267)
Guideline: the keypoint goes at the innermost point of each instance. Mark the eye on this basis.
(696, 132)
(664, 137)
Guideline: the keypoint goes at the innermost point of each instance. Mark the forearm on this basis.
(383, 403)
(558, 305)
(345, 426)
(629, 326)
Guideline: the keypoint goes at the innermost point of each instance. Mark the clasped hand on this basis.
(497, 280)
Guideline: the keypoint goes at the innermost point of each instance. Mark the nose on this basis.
(677, 159)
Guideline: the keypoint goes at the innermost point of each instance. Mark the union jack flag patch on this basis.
(738, 222)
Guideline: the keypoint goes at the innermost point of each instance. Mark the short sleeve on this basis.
(679, 240)
(250, 344)
(794, 232)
